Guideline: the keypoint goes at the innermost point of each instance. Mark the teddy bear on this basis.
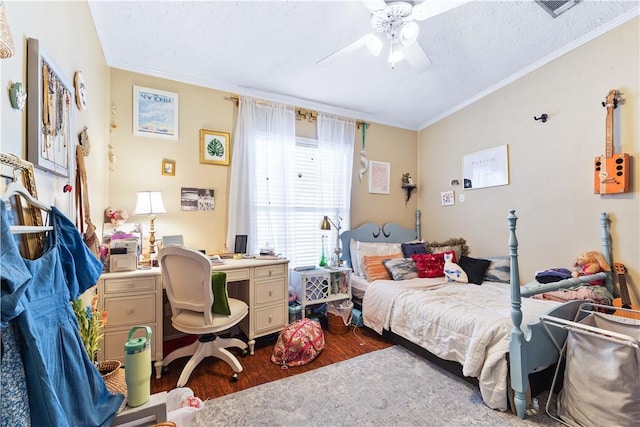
(590, 262)
(116, 216)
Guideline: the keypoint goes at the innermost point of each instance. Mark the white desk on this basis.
(135, 298)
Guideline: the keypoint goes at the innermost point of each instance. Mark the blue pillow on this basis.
(409, 249)
(401, 268)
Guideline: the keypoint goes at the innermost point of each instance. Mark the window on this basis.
(291, 218)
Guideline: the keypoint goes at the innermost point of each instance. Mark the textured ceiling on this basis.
(269, 49)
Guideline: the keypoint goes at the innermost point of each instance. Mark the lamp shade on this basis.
(149, 202)
(325, 224)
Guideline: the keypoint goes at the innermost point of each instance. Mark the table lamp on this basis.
(150, 203)
(326, 224)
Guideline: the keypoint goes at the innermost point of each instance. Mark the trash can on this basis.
(339, 316)
(295, 312)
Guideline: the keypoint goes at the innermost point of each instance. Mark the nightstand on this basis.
(321, 285)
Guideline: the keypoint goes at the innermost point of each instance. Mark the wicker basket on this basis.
(113, 376)
(336, 324)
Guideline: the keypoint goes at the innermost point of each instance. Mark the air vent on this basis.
(556, 8)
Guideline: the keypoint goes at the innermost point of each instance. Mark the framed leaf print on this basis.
(214, 147)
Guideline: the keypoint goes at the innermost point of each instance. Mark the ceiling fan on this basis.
(395, 26)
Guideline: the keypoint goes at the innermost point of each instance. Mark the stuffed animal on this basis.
(590, 262)
(116, 216)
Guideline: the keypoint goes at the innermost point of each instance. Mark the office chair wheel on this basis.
(245, 353)
(165, 370)
(234, 377)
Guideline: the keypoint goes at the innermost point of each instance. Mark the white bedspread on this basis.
(466, 323)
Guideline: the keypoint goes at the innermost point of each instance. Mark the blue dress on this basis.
(64, 387)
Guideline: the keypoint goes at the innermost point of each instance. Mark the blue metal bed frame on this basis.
(531, 347)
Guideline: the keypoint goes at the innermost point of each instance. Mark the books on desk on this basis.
(215, 260)
(267, 257)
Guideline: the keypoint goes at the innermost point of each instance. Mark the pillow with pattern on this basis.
(431, 265)
(374, 267)
(499, 270)
(401, 268)
(458, 245)
(365, 248)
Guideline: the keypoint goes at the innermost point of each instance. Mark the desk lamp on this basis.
(326, 224)
(150, 203)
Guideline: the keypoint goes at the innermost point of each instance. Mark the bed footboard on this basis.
(538, 347)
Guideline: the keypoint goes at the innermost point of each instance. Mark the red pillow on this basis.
(431, 265)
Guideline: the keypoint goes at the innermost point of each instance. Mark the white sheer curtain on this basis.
(263, 143)
(336, 136)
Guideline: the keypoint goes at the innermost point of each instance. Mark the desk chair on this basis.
(187, 278)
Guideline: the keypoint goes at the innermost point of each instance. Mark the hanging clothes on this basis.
(64, 386)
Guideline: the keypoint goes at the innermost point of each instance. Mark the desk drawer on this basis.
(134, 310)
(269, 319)
(237, 275)
(270, 291)
(270, 271)
(147, 283)
(113, 344)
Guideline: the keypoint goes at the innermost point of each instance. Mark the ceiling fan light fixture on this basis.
(396, 54)
(374, 44)
(409, 33)
(420, 11)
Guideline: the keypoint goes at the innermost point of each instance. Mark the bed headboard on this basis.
(374, 233)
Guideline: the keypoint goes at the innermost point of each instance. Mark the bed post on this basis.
(418, 236)
(517, 362)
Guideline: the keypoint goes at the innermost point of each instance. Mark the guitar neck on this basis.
(620, 270)
(609, 133)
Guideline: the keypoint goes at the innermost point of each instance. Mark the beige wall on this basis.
(58, 28)
(138, 165)
(551, 176)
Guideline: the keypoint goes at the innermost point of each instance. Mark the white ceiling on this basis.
(269, 50)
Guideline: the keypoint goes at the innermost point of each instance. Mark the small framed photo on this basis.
(168, 167)
(447, 198)
(214, 147)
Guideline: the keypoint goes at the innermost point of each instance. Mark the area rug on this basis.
(390, 387)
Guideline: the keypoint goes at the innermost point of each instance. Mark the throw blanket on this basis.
(465, 323)
(378, 299)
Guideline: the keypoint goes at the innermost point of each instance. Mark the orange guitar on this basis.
(611, 174)
(624, 301)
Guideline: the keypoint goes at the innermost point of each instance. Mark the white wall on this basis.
(57, 25)
(551, 172)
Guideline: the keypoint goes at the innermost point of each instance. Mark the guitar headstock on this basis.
(619, 268)
(612, 98)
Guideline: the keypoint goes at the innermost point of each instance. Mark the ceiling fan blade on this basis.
(374, 5)
(431, 8)
(351, 47)
(416, 57)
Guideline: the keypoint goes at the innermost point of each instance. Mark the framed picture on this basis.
(447, 198)
(14, 168)
(168, 167)
(51, 137)
(214, 147)
(155, 113)
(487, 168)
(379, 173)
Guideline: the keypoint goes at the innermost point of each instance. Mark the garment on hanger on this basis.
(64, 386)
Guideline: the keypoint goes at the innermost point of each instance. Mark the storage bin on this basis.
(295, 312)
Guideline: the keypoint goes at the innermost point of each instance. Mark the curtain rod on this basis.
(301, 113)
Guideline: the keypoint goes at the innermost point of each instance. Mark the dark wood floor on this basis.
(210, 379)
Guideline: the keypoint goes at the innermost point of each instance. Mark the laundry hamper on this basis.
(601, 385)
(339, 316)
